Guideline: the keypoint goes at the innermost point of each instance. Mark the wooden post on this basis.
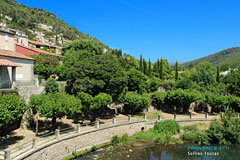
(175, 116)
(129, 118)
(7, 155)
(34, 145)
(57, 133)
(97, 124)
(114, 120)
(190, 115)
(206, 115)
(78, 128)
(159, 117)
(145, 117)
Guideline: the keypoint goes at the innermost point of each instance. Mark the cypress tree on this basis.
(158, 67)
(141, 64)
(161, 69)
(120, 53)
(176, 71)
(144, 67)
(218, 76)
(149, 68)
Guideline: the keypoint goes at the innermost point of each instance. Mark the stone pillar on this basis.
(114, 120)
(145, 117)
(34, 143)
(13, 80)
(129, 118)
(190, 115)
(175, 116)
(221, 115)
(97, 125)
(78, 128)
(159, 117)
(206, 115)
(7, 155)
(57, 133)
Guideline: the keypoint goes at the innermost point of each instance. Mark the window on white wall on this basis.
(6, 47)
(6, 37)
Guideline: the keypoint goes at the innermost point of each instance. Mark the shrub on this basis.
(190, 128)
(216, 132)
(86, 100)
(115, 139)
(198, 137)
(51, 86)
(134, 102)
(101, 100)
(12, 108)
(158, 99)
(167, 127)
(164, 139)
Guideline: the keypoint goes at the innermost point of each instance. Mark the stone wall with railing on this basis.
(61, 143)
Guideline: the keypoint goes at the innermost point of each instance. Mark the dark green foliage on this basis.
(164, 139)
(141, 63)
(12, 108)
(198, 137)
(218, 76)
(86, 100)
(176, 72)
(137, 81)
(161, 69)
(167, 127)
(158, 99)
(149, 68)
(144, 67)
(51, 86)
(116, 139)
(232, 81)
(134, 102)
(179, 100)
(98, 73)
(101, 100)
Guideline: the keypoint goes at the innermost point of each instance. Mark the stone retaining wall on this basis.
(62, 147)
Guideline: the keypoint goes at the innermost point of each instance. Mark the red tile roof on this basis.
(41, 44)
(40, 51)
(8, 53)
(6, 31)
(7, 63)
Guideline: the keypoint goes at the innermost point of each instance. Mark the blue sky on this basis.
(180, 30)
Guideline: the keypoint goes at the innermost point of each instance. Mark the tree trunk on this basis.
(54, 123)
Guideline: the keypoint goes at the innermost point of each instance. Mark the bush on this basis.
(167, 127)
(216, 132)
(12, 108)
(158, 99)
(198, 137)
(164, 139)
(115, 139)
(86, 100)
(51, 86)
(134, 102)
(101, 100)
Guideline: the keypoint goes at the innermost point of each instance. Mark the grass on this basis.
(150, 115)
(76, 154)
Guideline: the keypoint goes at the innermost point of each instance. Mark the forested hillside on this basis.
(231, 55)
(27, 19)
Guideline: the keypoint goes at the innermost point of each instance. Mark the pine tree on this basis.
(176, 71)
(149, 68)
(161, 69)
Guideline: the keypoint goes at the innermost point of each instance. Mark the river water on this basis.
(167, 152)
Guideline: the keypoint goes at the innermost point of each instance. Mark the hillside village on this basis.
(16, 64)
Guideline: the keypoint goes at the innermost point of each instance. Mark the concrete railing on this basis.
(40, 142)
